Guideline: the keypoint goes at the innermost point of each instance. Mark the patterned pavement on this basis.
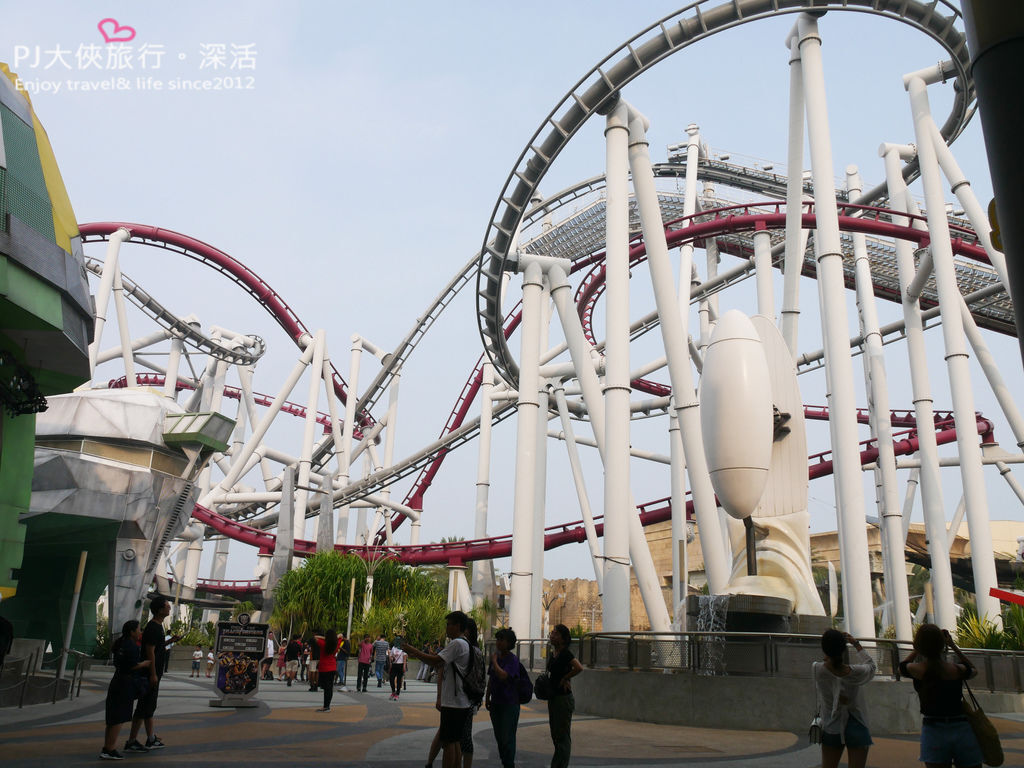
(366, 729)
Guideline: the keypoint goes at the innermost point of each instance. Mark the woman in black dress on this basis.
(562, 666)
(124, 686)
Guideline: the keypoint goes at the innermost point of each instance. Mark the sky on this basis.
(351, 154)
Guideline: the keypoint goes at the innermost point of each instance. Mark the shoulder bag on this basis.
(984, 731)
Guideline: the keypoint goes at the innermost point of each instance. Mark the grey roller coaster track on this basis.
(598, 90)
(180, 328)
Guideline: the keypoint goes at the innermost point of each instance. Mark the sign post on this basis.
(239, 649)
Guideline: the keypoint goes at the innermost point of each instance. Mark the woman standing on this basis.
(562, 667)
(124, 686)
(946, 736)
(328, 665)
(844, 721)
(502, 698)
(399, 661)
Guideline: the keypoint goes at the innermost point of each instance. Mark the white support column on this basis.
(540, 495)
(124, 331)
(481, 569)
(995, 378)
(389, 445)
(581, 488)
(316, 368)
(345, 457)
(961, 187)
(795, 242)
(832, 292)
(173, 364)
(616, 381)
(957, 360)
(521, 576)
(260, 430)
(930, 478)
(876, 386)
(580, 351)
(673, 330)
(680, 566)
(763, 273)
(110, 269)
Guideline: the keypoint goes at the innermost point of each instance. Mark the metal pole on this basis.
(483, 476)
(679, 564)
(876, 386)
(673, 330)
(581, 488)
(345, 457)
(950, 299)
(104, 289)
(351, 602)
(832, 295)
(795, 243)
(616, 380)
(316, 368)
(260, 430)
(763, 273)
(931, 481)
(71, 614)
(579, 350)
(521, 576)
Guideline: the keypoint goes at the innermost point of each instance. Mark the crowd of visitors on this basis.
(466, 679)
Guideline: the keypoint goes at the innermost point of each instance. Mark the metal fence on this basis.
(755, 654)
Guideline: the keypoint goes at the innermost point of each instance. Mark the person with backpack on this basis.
(503, 697)
(453, 664)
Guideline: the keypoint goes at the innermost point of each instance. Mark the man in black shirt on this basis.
(155, 650)
(291, 659)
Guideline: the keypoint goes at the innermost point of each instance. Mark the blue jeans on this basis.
(943, 741)
(379, 671)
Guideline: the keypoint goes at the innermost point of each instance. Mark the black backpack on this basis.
(474, 682)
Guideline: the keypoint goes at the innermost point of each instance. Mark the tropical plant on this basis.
(972, 631)
(316, 596)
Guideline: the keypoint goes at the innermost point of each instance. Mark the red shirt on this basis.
(328, 661)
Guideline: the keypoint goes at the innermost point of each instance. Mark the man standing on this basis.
(344, 651)
(380, 658)
(154, 649)
(291, 659)
(451, 700)
(363, 671)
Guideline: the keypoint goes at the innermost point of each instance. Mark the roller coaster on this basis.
(588, 241)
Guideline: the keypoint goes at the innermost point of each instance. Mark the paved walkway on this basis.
(366, 729)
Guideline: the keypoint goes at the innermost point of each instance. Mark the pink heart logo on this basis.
(117, 33)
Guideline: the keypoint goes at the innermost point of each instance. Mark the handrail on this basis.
(783, 654)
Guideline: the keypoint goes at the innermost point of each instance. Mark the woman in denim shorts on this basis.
(844, 721)
(946, 736)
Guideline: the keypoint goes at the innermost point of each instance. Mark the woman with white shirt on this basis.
(839, 685)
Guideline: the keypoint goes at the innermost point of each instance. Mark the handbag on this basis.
(814, 733)
(984, 731)
(542, 686)
(524, 687)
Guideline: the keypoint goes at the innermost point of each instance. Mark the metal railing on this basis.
(755, 654)
(30, 676)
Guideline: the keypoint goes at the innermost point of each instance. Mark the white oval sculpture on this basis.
(736, 414)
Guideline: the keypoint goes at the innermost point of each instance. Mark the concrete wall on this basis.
(769, 703)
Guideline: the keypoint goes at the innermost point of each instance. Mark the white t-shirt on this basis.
(197, 655)
(270, 647)
(210, 658)
(452, 695)
(398, 656)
